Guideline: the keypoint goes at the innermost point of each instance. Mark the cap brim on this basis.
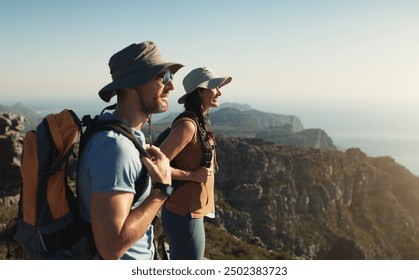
(136, 79)
(210, 84)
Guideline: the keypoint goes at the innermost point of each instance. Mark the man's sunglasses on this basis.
(167, 77)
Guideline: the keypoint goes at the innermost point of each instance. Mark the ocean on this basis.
(404, 149)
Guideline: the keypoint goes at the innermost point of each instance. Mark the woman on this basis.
(191, 147)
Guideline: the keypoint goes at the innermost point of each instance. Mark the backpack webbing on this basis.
(206, 145)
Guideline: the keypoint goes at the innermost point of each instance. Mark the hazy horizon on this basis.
(374, 142)
(332, 63)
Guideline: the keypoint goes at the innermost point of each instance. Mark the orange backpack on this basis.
(49, 225)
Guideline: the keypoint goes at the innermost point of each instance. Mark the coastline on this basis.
(404, 149)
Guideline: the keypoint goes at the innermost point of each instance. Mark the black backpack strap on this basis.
(201, 130)
(125, 130)
(94, 126)
(206, 145)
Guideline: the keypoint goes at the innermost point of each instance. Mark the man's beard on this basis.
(159, 106)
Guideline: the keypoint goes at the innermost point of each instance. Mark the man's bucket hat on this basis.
(202, 77)
(135, 65)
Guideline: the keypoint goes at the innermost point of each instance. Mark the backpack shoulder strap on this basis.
(186, 114)
(206, 146)
(125, 130)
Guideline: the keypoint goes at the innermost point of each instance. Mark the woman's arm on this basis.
(200, 175)
(180, 136)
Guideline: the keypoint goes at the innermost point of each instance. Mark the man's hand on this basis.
(158, 166)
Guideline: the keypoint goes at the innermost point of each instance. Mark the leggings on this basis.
(186, 236)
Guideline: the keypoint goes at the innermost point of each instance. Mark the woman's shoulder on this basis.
(185, 124)
(187, 120)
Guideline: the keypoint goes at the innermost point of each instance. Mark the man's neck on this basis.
(130, 113)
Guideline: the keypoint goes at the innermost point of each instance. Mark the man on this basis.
(110, 164)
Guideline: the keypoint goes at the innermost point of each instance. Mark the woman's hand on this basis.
(201, 174)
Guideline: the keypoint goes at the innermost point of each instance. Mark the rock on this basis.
(5, 124)
(311, 202)
(11, 143)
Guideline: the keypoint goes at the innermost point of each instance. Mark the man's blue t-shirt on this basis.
(110, 162)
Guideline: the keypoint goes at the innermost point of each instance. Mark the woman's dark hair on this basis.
(193, 103)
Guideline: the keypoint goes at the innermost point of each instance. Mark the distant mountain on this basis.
(238, 106)
(237, 120)
(241, 107)
(307, 138)
(253, 119)
(167, 119)
(32, 118)
(243, 116)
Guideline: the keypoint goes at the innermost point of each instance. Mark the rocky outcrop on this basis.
(252, 120)
(307, 138)
(235, 120)
(32, 119)
(11, 140)
(317, 204)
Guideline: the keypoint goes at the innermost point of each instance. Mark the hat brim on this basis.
(210, 84)
(137, 78)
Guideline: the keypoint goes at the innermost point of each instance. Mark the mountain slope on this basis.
(317, 204)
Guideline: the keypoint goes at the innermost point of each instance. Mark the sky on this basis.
(343, 66)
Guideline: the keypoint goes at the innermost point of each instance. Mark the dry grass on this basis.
(7, 244)
(220, 245)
